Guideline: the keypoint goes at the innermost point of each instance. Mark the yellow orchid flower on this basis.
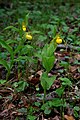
(23, 26)
(28, 37)
(58, 40)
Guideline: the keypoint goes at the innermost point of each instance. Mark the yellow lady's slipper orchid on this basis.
(24, 28)
(58, 40)
(29, 37)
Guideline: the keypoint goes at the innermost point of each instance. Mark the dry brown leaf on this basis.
(4, 113)
(67, 117)
(76, 76)
(40, 72)
(34, 80)
(73, 68)
(77, 56)
(55, 118)
(11, 106)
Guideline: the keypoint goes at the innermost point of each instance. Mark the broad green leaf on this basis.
(31, 117)
(3, 81)
(54, 31)
(22, 110)
(46, 107)
(37, 104)
(26, 19)
(36, 32)
(11, 41)
(77, 108)
(6, 46)
(50, 81)
(60, 91)
(44, 51)
(51, 49)
(42, 38)
(46, 81)
(13, 28)
(20, 86)
(47, 111)
(64, 64)
(48, 62)
(5, 64)
(20, 58)
(20, 20)
(48, 49)
(26, 49)
(18, 49)
(57, 102)
(66, 81)
(76, 114)
(43, 81)
(65, 29)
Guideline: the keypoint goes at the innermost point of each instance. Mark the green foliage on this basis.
(5, 64)
(7, 47)
(46, 81)
(3, 81)
(48, 62)
(27, 49)
(20, 86)
(12, 28)
(64, 64)
(48, 57)
(66, 82)
(56, 102)
(31, 117)
(60, 91)
(76, 111)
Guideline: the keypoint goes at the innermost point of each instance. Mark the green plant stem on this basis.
(10, 67)
(62, 107)
(18, 72)
(7, 76)
(62, 115)
(44, 96)
(45, 92)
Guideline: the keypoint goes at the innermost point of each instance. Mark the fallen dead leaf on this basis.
(34, 79)
(55, 118)
(4, 113)
(76, 76)
(40, 72)
(73, 68)
(10, 106)
(77, 56)
(67, 117)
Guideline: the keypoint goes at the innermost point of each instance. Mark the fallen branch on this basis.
(34, 98)
(69, 47)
